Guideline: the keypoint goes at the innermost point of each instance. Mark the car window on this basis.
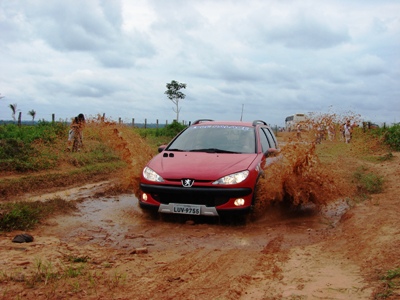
(236, 139)
(270, 137)
(265, 144)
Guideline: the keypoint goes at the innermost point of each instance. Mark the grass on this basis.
(162, 136)
(71, 277)
(25, 215)
(390, 282)
(23, 184)
(368, 182)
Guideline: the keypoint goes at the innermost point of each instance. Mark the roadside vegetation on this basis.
(34, 158)
(26, 215)
(389, 135)
(75, 274)
(390, 282)
(160, 136)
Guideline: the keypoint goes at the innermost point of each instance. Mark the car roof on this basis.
(232, 123)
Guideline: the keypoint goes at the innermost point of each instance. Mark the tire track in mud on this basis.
(189, 275)
(268, 271)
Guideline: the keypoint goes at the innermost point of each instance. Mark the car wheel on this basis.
(233, 219)
(258, 207)
(152, 214)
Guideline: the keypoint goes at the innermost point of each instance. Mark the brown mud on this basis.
(323, 245)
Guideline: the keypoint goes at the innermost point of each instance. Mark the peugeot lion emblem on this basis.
(187, 182)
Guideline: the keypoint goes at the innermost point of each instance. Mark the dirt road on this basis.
(109, 249)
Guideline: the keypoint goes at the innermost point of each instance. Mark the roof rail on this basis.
(201, 120)
(255, 122)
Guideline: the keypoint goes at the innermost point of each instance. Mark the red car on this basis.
(210, 168)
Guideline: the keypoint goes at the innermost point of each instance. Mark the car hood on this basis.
(199, 165)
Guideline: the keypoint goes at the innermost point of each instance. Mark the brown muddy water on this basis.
(118, 222)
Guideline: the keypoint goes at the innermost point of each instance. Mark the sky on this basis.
(240, 60)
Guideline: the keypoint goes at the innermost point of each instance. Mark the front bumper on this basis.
(207, 196)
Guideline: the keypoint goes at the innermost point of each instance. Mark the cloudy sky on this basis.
(255, 59)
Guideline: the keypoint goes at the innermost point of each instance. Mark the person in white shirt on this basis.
(347, 131)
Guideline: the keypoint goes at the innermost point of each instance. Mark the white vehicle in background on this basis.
(292, 121)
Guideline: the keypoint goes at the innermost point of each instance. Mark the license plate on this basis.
(186, 209)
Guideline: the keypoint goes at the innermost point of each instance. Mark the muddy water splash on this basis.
(131, 148)
(298, 177)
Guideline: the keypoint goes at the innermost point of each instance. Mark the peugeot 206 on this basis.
(211, 168)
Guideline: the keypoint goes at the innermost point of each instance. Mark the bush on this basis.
(392, 137)
(43, 131)
(25, 215)
(21, 147)
(389, 135)
(20, 216)
(368, 182)
(172, 130)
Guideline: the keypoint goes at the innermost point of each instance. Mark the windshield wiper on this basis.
(212, 150)
(177, 150)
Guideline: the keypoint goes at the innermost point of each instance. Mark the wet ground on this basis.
(118, 222)
(301, 253)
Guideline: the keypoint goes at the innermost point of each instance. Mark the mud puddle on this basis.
(117, 222)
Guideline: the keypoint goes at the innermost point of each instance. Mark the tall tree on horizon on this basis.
(14, 110)
(32, 113)
(175, 95)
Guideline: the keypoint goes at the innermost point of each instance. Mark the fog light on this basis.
(239, 202)
(144, 197)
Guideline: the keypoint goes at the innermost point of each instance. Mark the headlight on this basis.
(150, 175)
(233, 178)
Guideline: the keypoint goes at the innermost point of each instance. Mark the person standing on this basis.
(299, 131)
(81, 125)
(75, 134)
(347, 131)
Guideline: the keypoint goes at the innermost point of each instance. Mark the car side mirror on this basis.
(271, 152)
(161, 148)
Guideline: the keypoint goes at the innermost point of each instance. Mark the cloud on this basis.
(273, 57)
(306, 33)
(90, 27)
(369, 65)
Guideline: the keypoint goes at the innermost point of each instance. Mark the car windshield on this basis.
(215, 139)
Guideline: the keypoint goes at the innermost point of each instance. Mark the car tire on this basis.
(152, 214)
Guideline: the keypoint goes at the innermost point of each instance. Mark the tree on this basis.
(32, 113)
(175, 95)
(14, 110)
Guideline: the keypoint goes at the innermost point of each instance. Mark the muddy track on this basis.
(337, 252)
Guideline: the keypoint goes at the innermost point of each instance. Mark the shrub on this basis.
(389, 135)
(368, 182)
(23, 148)
(392, 137)
(172, 130)
(25, 215)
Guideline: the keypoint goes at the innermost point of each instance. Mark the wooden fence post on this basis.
(53, 117)
(133, 122)
(145, 123)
